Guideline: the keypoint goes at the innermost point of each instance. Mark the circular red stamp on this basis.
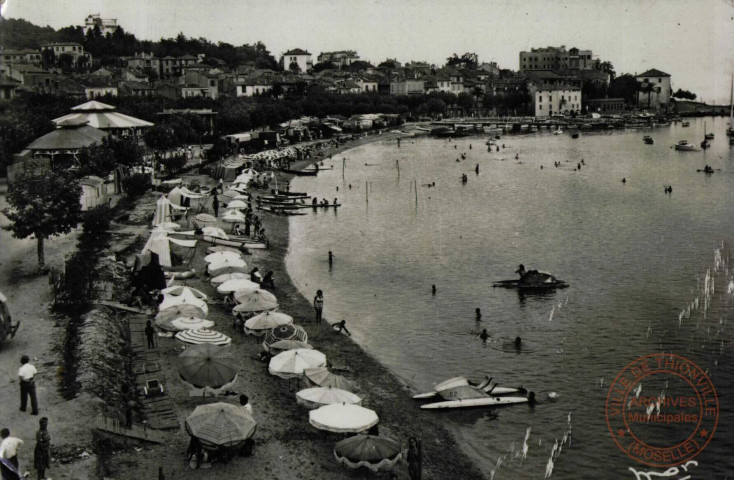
(662, 410)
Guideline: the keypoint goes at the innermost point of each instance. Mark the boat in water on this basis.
(450, 389)
(685, 124)
(447, 132)
(558, 132)
(683, 145)
(648, 139)
(533, 280)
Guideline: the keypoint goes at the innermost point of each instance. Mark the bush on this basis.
(97, 220)
(174, 163)
(136, 184)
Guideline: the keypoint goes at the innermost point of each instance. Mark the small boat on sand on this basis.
(648, 139)
(533, 280)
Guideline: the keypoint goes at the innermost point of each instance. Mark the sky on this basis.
(692, 40)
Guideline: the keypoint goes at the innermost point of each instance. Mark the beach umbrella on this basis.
(221, 424)
(234, 216)
(316, 397)
(322, 377)
(283, 345)
(221, 270)
(205, 218)
(226, 262)
(190, 323)
(219, 279)
(207, 366)
(237, 204)
(186, 297)
(254, 301)
(292, 363)
(221, 248)
(182, 310)
(203, 335)
(180, 289)
(218, 257)
(214, 232)
(236, 285)
(242, 197)
(368, 451)
(260, 324)
(343, 418)
(285, 332)
(231, 193)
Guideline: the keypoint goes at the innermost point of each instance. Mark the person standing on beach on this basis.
(9, 449)
(215, 205)
(331, 258)
(27, 376)
(318, 305)
(414, 458)
(42, 452)
(150, 334)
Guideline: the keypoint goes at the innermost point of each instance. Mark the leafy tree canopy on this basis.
(467, 60)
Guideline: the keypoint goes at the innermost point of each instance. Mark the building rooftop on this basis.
(296, 51)
(653, 73)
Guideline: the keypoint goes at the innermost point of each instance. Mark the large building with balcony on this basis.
(549, 100)
(556, 58)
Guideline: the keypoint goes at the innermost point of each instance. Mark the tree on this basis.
(468, 60)
(43, 204)
(606, 67)
(294, 68)
(684, 94)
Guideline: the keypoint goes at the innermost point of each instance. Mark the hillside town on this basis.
(151, 193)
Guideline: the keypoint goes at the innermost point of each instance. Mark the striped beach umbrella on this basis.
(203, 335)
(292, 363)
(285, 332)
(368, 451)
(316, 397)
(221, 424)
(343, 418)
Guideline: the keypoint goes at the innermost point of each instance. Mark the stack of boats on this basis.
(290, 203)
(459, 392)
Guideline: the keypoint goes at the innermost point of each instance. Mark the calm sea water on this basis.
(635, 257)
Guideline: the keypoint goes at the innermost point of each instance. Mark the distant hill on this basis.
(19, 33)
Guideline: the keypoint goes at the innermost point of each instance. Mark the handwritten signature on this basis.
(671, 472)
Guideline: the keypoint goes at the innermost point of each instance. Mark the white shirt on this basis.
(27, 372)
(9, 447)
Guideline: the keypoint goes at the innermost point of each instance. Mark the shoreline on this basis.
(286, 445)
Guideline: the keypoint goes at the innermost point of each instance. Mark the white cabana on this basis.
(177, 195)
(163, 209)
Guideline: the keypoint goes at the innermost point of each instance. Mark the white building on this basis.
(298, 56)
(106, 25)
(342, 58)
(655, 89)
(552, 99)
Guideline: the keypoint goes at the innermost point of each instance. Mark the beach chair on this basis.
(153, 388)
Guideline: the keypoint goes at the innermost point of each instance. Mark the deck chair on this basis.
(153, 388)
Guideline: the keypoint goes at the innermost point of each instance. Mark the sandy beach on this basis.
(286, 445)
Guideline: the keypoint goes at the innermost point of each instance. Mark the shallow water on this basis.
(635, 258)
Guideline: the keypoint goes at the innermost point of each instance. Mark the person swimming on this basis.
(478, 315)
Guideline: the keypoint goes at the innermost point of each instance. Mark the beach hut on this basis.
(94, 192)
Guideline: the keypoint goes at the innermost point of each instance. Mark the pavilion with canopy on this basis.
(104, 117)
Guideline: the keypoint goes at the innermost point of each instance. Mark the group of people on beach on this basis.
(10, 446)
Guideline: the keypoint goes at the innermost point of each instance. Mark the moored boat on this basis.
(683, 145)
(648, 139)
(685, 124)
(311, 173)
(532, 280)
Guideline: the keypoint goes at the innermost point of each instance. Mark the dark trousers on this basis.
(28, 389)
(319, 310)
(151, 341)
